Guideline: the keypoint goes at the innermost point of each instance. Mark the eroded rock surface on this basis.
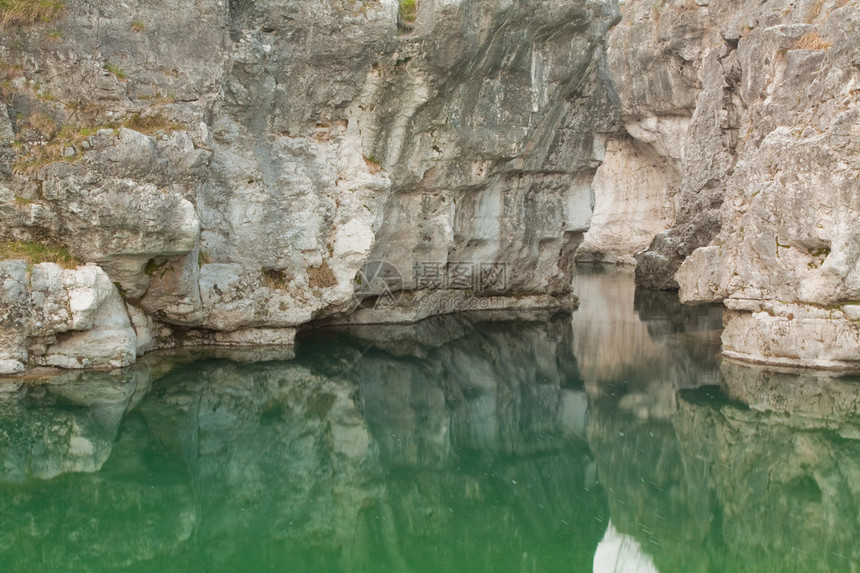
(786, 261)
(233, 167)
(58, 317)
(739, 140)
(644, 186)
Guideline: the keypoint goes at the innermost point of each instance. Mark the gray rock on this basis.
(60, 317)
(785, 261)
(110, 342)
(747, 198)
(231, 172)
(238, 173)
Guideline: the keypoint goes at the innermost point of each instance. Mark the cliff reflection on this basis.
(724, 485)
(644, 344)
(453, 444)
(611, 439)
(480, 428)
(66, 426)
(711, 466)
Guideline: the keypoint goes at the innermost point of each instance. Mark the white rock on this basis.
(9, 366)
(110, 343)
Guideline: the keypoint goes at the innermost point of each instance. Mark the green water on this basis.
(609, 440)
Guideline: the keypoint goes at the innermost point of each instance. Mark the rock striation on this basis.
(659, 189)
(785, 263)
(235, 167)
(739, 148)
(241, 169)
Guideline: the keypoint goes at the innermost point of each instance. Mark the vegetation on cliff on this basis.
(29, 12)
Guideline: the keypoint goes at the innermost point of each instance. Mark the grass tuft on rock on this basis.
(116, 71)
(35, 252)
(150, 124)
(69, 137)
(321, 277)
(408, 11)
(811, 41)
(65, 144)
(29, 12)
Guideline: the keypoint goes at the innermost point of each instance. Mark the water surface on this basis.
(612, 439)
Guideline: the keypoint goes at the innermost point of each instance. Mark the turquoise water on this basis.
(612, 439)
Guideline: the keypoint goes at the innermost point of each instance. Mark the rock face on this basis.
(235, 166)
(691, 76)
(644, 186)
(57, 317)
(635, 189)
(742, 115)
(240, 169)
(786, 261)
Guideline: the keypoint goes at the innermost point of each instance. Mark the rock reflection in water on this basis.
(711, 466)
(726, 486)
(481, 430)
(646, 342)
(457, 445)
(462, 443)
(457, 385)
(66, 426)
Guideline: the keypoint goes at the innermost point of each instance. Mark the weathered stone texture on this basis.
(53, 316)
(655, 59)
(763, 175)
(786, 260)
(233, 166)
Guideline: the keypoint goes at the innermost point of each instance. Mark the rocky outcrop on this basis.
(644, 187)
(741, 115)
(636, 191)
(57, 317)
(234, 167)
(785, 262)
(692, 76)
(241, 178)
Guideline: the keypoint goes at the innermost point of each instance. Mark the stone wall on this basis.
(241, 169)
(785, 262)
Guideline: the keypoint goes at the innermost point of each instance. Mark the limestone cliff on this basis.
(653, 64)
(238, 169)
(785, 262)
(233, 167)
(739, 150)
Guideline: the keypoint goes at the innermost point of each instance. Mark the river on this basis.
(610, 439)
